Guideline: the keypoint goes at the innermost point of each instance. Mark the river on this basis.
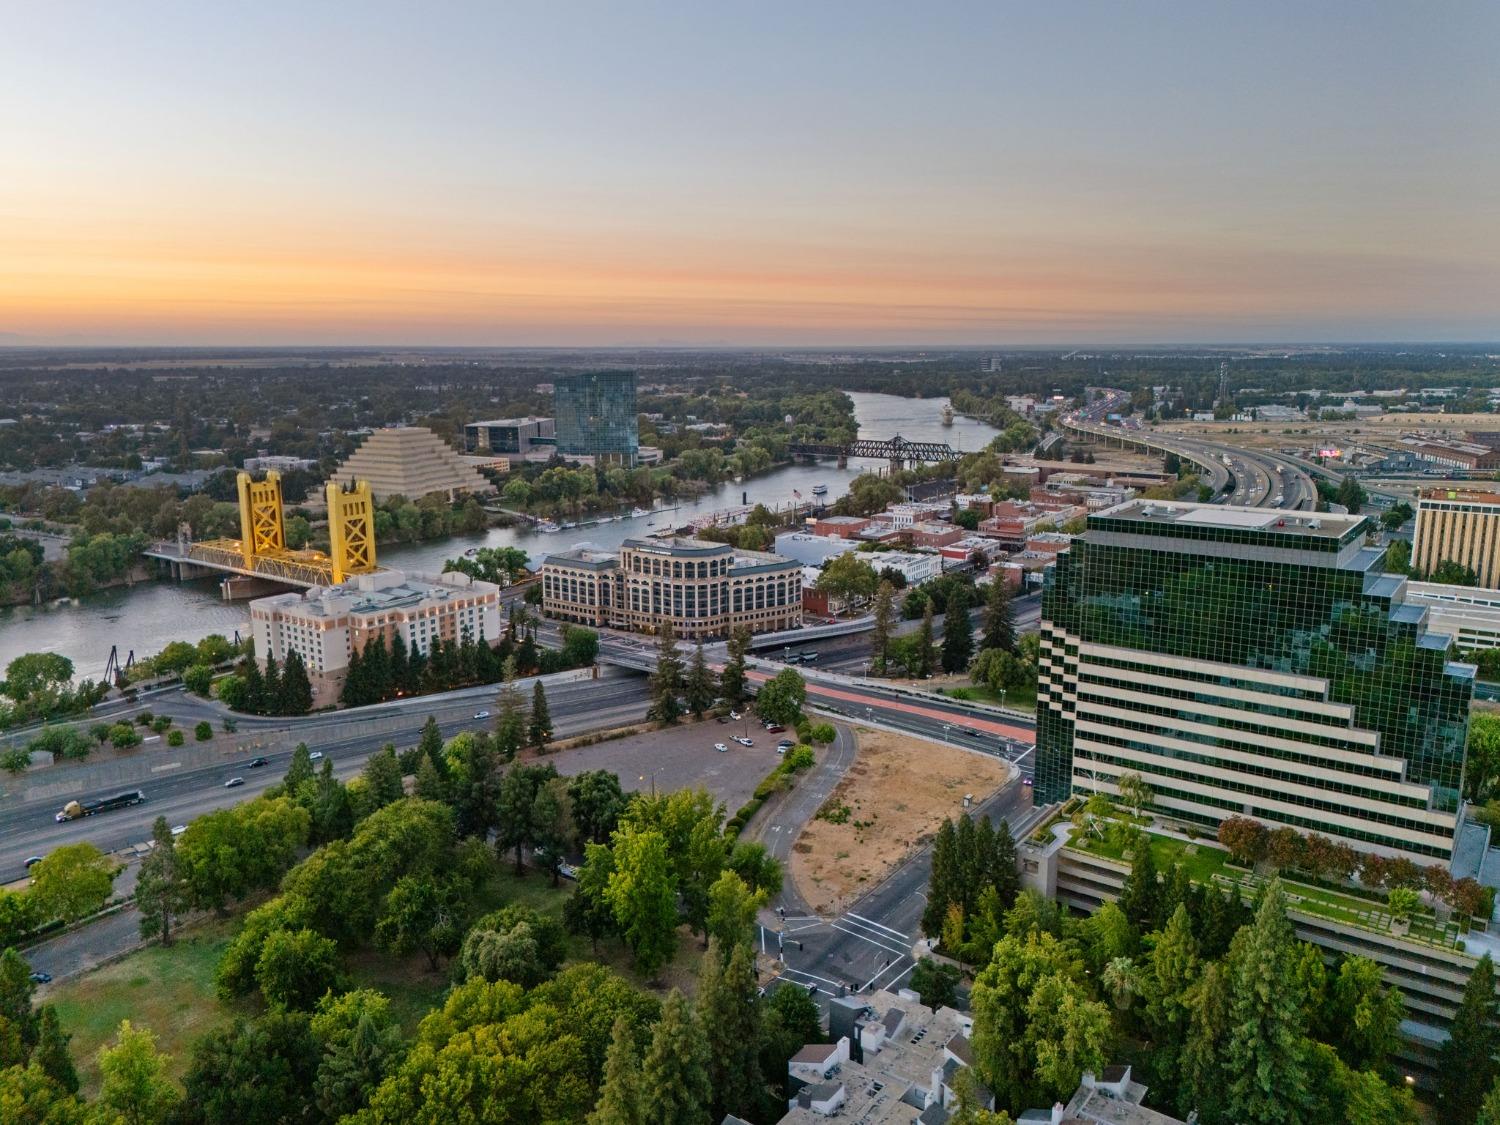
(145, 617)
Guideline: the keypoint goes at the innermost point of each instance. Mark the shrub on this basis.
(799, 758)
(174, 738)
(231, 725)
(145, 718)
(123, 736)
(203, 731)
(1404, 902)
(161, 723)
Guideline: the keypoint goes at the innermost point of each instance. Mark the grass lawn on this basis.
(1202, 861)
(1017, 699)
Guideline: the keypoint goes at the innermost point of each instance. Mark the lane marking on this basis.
(868, 938)
(877, 925)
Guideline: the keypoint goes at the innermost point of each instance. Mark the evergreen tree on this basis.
(942, 884)
(299, 770)
(332, 810)
(382, 777)
(430, 743)
(1201, 1074)
(539, 730)
(510, 724)
(1265, 1062)
(958, 634)
(729, 1015)
(1003, 875)
(620, 1090)
(430, 785)
(271, 699)
(1140, 897)
(732, 678)
(1172, 971)
(698, 688)
(1489, 1112)
(400, 662)
(526, 653)
(666, 681)
(999, 618)
(296, 689)
(353, 693)
(924, 641)
(968, 864)
(378, 669)
(160, 894)
(255, 688)
(880, 634)
(1466, 1062)
(674, 1076)
(51, 1054)
(16, 989)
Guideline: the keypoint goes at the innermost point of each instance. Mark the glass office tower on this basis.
(1252, 662)
(596, 416)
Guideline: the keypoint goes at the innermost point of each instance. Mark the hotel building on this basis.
(1254, 662)
(705, 589)
(1461, 527)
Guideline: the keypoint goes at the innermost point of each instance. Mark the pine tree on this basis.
(666, 681)
(539, 730)
(430, 743)
(729, 1014)
(698, 689)
(1466, 1066)
(510, 724)
(382, 776)
(1003, 874)
(378, 669)
(1266, 1059)
(400, 662)
(1140, 897)
(941, 884)
(958, 634)
(620, 1091)
(271, 700)
(1489, 1113)
(430, 785)
(999, 618)
(296, 689)
(255, 688)
(353, 693)
(880, 634)
(968, 865)
(300, 769)
(924, 642)
(51, 1054)
(732, 678)
(1170, 974)
(674, 1077)
(159, 891)
(1201, 1073)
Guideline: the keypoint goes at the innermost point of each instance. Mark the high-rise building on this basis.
(1461, 527)
(1252, 662)
(411, 461)
(596, 416)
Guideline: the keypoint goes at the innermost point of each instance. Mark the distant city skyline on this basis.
(840, 174)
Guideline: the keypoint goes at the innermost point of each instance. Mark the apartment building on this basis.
(1246, 661)
(1458, 526)
(705, 589)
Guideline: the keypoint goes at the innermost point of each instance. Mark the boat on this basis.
(639, 512)
(820, 490)
(569, 526)
(546, 527)
(947, 414)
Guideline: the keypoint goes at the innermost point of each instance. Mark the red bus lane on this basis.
(987, 726)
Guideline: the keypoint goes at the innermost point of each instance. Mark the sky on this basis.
(704, 173)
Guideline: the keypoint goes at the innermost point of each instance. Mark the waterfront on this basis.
(147, 616)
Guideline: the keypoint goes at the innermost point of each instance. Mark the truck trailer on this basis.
(73, 810)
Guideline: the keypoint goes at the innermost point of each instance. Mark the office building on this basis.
(596, 417)
(411, 461)
(1461, 527)
(325, 624)
(1245, 661)
(705, 589)
(513, 437)
(1468, 614)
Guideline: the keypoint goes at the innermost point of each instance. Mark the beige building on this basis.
(1461, 527)
(706, 589)
(411, 461)
(324, 625)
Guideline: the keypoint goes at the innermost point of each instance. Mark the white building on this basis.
(1468, 614)
(812, 550)
(914, 567)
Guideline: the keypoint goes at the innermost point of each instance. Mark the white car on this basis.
(734, 714)
(720, 747)
(315, 755)
(179, 829)
(781, 749)
(742, 740)
(481, 714)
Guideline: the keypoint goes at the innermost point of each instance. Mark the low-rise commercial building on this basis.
(846, 527)
(1468, 614)
(512, 436)
(705, 589)
(932, 534)
(812, 550)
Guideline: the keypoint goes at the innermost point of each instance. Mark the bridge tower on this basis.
(261, 528)
(351, 530)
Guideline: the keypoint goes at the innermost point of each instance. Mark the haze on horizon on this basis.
(776, 174)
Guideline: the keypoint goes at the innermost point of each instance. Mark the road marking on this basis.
(875, 935)
(868, 938)
(813, 976)
(166, 766)
(871, 982)
(877, 925)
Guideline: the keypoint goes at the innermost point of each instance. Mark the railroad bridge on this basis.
(896, 450)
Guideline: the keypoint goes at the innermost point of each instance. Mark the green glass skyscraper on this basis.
(1253, 662)
(596, 416)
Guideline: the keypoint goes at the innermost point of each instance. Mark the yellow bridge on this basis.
(261, 549)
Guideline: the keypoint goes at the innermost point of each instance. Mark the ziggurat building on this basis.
(411, 461)
(1253, 662)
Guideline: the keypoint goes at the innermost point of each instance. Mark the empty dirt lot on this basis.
(892, 800)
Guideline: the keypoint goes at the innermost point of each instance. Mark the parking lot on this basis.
(683, 757)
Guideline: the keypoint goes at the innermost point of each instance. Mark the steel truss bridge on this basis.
(896, 450)
(293, 568)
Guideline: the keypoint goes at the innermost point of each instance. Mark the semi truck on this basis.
(73, 810)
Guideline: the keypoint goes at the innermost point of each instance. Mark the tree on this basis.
(1266, 1058)
(361, 1042)
(16, 990)
(520, 825)
(51, 1053)
(936, 982)
(510, 724)
(251, 1073)
(1364, 1015)
(539, 729)
(1245, 838)
(698, 688)
(72, 881)
(880, 633)
(160, 894)
(296, 690)
(643, 896)
(1140, 897)
(782, 697)
(848, 578)
(620, 1092)
(666, 681)
(999, 617)
(732, 677)
(729, 1017)
(924, 642)
(1489, 1112)
(958, 635)
(1201, 1075)
(423, 914)
(37, 677)
(204, 730)
(296, 967)
(674, 1075)
(1170, 974)
(1135, 792)
(199, 679)
(1452, 573)
(382, 777)
(298, 770)
(944, 884)
(1466, 1062)
(597, 801)
(135, 1085)
(732, 908)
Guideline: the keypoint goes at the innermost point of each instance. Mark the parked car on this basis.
(783, 748)
(743, 741)
(41, 978)
(735, 715)
(568, 871)
(720, 747)
(234, 782)
(256, 763)
(785, 744)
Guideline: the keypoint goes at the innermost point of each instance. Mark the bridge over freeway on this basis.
(897, 450)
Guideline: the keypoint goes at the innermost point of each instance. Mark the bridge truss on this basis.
(897, 450)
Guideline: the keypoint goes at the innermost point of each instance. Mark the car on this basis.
(481, 714)
(774, 728)
(234, 782)
(179, 829)
(40, 977)
(32, 861)
(720, 747)
(568, 871)
(1026, 782)
(315, 755)
(735, 715)
(971, 732)
(783, 748)
(785, 744)
(743, 741)
(256, 763)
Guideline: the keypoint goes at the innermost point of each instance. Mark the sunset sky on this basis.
(576, 173)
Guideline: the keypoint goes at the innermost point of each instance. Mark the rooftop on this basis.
(1174, 513)
(1461, 495)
